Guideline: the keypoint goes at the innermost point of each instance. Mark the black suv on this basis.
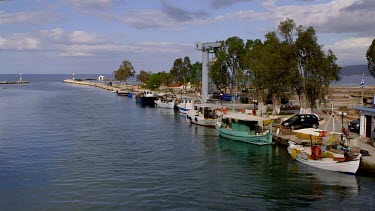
(354, 125)
(302, 121)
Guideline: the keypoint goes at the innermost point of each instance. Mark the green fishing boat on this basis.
(246, 128)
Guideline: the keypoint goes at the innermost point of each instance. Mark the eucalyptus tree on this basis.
(229, 64)
(370, 56)
(219, 72)
(186, 71)
(165, 78)
(330, 72)
(311, 70)
(143, 76)
(274, 62)
(181, 71)
(196, 74)
(125, 71)
(254, 64)
(154, 81)
(176, 70)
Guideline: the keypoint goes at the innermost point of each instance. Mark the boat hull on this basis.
(201, 121)
(161, 104)
(262, 139)
(349, 167)
(183, 110)
(120, 93)
(147, 100)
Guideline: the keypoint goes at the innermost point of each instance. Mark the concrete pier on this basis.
(96, 84)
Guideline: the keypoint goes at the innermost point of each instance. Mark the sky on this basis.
(95, 36)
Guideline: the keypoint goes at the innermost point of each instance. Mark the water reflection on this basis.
(167, 112)
(341, 185)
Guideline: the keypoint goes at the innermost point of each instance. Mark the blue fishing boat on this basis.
(245, 128)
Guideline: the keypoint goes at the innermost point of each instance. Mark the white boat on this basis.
(320, 157)
(203, 114)
(165, 103)
(185, 105)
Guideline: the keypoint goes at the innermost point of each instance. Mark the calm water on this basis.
(71, 147)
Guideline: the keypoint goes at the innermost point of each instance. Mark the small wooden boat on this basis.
(322, 157)
(123, 92)
(327, 149)
(166, 100)
(245, 128)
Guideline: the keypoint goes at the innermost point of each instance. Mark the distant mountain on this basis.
(354, 70)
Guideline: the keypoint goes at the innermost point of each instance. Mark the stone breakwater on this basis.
(94, 84)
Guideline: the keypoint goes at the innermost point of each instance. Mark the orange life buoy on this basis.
(318, 151)
(322, 133)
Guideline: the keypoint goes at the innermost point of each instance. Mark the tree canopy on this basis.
(182, 70)
(370, 56)
(143, 76)
(125, 71)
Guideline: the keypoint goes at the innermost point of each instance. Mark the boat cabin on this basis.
(240, 125)
(208, 112)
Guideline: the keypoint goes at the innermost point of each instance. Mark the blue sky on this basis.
(95, 36)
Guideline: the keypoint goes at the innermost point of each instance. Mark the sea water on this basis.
(72, 147)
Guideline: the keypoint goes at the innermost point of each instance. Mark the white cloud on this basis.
(82, 43)
(19, 42)
(84, 37)
(334, 16)
(91, 4)
(27, 17)
(351, 51)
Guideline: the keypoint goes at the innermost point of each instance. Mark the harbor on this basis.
(181, 105)
(85, 142)
(367, 161)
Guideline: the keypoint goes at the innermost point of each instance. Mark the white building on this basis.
(101, 78)
(367, 121)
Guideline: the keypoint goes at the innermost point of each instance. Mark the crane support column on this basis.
(206, 48)
(205, 64)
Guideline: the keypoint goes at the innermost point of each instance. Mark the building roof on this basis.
(360, 108)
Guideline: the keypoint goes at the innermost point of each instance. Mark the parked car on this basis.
(299, 121)
(213, 95)
(354, 125)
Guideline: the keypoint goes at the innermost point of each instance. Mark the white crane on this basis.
(206, 48)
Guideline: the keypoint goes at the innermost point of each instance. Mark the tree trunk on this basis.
(305, 105)
(276, 105)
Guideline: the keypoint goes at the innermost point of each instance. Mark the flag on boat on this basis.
(362, 82)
